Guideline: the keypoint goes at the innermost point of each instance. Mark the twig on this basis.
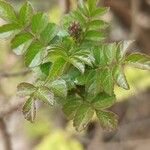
(5, 134)
(68, 5)
(65, 5)
(16, 74)
(135, 13)
(10, 108)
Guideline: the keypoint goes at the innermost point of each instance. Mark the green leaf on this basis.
(99, 11)
(103, 101)
(85, 57)
(66, 21)
(7, 12)
(49, 33)
(91, 5)
(29, 110)
(77, 16)
(21, 42)
(44, 94)
(108, 120)
(93, 86)
(45, 68)
(58, 87)
(34, 55)
(94, 35)
(83, 8)
(121, 49)
(54, 53)
(39, 22)
(106, 79)
(138, 60)
(86, 60)
(42, 71)
(78, 64)
(71, 106)
(98, 24)
(9, 30)
(70, 77)
(105, 54)
(25, 14)
(110, 53)
(25, 89)
(82, 117)
(56, 69)
(99, 55)
(120, 78)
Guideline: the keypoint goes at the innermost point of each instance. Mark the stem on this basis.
(135, 12)
(5, 134)
(16, 74)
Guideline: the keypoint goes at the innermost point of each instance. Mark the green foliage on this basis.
(25, 14)
(9, 30)
(82, 117)
(107, 119)
(7, 12)
(74, 67)
(39, 22)
(139, 61)
(29, 109)
(103, 101)
(21, 42)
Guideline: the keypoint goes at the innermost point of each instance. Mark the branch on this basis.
(16, 74)
(10, 108)
(135, 13)
(68, 5)
(5, 134)
(65, 5)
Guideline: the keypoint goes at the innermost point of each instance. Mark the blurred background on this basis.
(130, 19)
